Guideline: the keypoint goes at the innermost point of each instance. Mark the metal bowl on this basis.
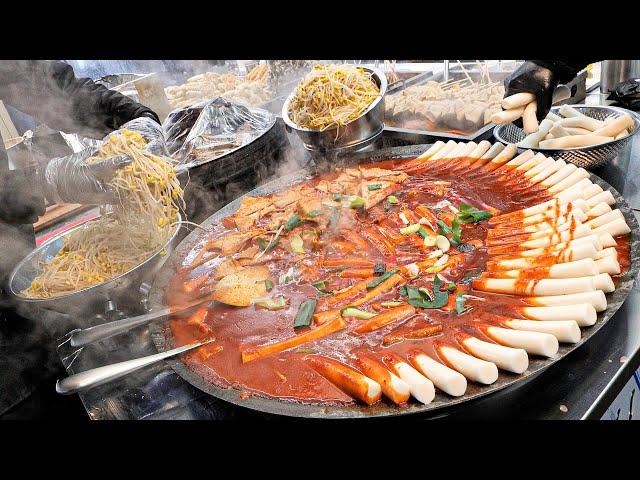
(358, 131)
(86, 300)
(586, 157)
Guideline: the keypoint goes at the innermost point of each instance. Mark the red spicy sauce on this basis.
(286, 375)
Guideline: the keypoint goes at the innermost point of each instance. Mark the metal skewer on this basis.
(83, 381)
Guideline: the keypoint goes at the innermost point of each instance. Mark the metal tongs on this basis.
(98, 376)
(82, 337)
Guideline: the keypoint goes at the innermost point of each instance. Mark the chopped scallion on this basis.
(305, 313)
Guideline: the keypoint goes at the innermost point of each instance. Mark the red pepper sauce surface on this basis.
(285, 375)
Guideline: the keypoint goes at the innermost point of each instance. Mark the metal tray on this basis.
(408, 136)
(162, 337)
(415, 136)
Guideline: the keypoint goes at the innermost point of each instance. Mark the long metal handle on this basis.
(101, 375)
(80, 338)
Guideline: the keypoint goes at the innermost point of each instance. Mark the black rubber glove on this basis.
(536, 79)
(71, 179)
(541, 77)
(20, 201)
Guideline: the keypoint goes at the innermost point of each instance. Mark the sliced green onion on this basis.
(320, 285)
(337, 197)
(305, 313)
(354, 312)
(413, 269)
(453, 233)
(436, 268)
(390, 304)
(456, 238)
(411, 229)
(469, 214)
(392, 199)
(444, 228)
(315, 213)
(382, 278)
(460, 300)
(452, 286)
(268, 284)
(293, 222)
(423, 233)
(429, 241)
(423, 298)
(277, 303)
(426, 292)
(265, 247)
(356, 202)
(297, 245)
(374, 186)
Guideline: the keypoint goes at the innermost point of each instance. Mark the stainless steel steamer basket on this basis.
(367, 125)
(585, 157)
(83, 301)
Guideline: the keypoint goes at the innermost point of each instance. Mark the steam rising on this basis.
(33, 90)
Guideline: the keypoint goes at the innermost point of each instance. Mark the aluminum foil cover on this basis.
(210, 129)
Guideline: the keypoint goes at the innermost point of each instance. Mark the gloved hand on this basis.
(72, 180)
(20, 202)
(536, 79)
(148, 113)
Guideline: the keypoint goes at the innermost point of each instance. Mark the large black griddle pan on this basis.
(163, 340)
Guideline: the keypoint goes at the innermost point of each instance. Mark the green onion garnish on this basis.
(354, 312)
(411, 229)
(391, 304)
(305, 313)
(356, 202)
(277, 303)
(297, 245)
(469, 214)
(293, 222)
(320, 285)
(460, 299)
(423, 233)
(374, 283)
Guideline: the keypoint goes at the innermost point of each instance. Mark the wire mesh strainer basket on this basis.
(586, 157)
